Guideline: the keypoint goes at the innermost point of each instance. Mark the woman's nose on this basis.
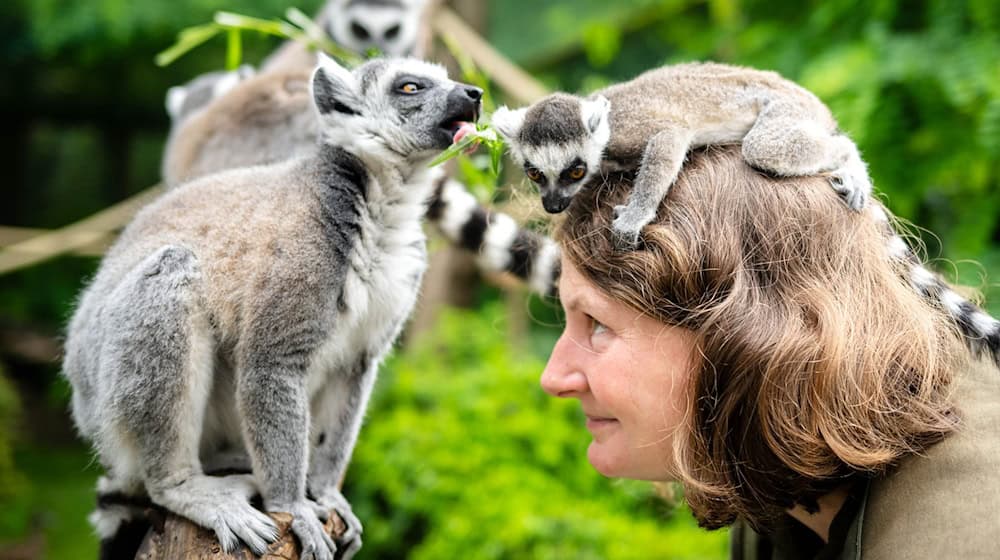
(562, 376)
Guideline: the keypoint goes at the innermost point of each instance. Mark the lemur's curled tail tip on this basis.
(980, 330)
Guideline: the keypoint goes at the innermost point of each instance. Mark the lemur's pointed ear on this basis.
(508, 122)
(595, 112)
(334, 88)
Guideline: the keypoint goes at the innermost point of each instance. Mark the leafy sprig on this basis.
(296, 26)
(484, 135)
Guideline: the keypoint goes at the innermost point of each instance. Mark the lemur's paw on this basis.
(350, 542)
(853, 185)
(625, 228)
(235, 520)
(316, 543)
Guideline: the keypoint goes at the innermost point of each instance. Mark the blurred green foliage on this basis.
(11, 482)
(463, 456)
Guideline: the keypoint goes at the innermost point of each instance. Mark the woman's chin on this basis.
(606, 461)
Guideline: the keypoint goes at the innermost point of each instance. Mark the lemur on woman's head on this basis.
(649, 123)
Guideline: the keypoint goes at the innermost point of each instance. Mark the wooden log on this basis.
(174, 537)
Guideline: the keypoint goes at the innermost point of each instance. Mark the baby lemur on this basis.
(650, 123)
(241, 318)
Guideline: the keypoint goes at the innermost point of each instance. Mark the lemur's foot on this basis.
(852, 184)
(349, 543)
(222, 504)
(626, 227)
(316, 543)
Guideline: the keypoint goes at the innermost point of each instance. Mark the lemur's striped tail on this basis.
(980, 330)
(499, 243)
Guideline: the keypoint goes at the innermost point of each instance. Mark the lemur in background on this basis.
(649, 124)
(391, 27)
(240, 319)
(186, 100)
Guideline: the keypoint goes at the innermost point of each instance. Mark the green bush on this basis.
(464, 456)
(12, 485)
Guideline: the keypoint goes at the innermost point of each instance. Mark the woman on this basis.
(763, 349)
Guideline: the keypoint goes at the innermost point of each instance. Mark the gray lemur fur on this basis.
(241, 318)
(186, 100)
(652, 121)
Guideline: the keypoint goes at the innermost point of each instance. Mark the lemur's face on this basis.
(406, 107)
(559, 141)
(387, 25)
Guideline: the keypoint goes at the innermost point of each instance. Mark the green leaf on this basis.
(187, 39)
(496, 156)
(270, 27)
(454, 150)
(234, 49)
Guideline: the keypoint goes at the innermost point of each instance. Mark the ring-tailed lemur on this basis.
(650, 123)
(267, 119)
(242, 317)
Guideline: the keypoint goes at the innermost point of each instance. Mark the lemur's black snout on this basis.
(467, 99)
(555, 203)
(474, 93)
(464, 102)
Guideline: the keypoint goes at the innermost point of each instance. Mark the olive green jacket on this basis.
(942, 504)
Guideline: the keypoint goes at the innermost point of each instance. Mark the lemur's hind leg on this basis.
(661, 163)
(159, 357)
(788, 142)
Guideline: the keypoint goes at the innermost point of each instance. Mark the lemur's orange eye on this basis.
(534, 174)
(409, 87)
(577, 172)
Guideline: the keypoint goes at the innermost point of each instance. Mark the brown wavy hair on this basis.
(820, 363)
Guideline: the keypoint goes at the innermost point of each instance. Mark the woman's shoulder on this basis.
(945, 502)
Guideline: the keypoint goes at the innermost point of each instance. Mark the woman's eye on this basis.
(409, 87)
(597, 327)
(578, 172)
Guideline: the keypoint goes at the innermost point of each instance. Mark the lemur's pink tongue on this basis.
(464, 128)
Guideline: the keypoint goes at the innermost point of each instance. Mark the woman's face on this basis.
(630, 374)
